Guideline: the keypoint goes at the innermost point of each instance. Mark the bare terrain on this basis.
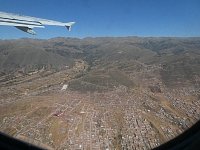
(99, 93)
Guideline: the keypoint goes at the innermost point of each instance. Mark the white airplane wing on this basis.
(26, 23)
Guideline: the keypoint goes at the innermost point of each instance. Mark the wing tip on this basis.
(69, 25)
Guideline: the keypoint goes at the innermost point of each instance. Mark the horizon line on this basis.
(73, 37)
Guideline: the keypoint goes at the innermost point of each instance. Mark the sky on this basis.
(97, 18)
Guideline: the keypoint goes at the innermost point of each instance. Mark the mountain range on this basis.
(111, 61)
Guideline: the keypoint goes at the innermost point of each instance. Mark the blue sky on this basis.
(108, 17)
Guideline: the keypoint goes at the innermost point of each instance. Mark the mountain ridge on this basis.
(176, 60)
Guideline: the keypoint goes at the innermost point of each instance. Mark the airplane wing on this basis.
(26, 23)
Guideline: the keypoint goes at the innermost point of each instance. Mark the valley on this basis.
(99, 93)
